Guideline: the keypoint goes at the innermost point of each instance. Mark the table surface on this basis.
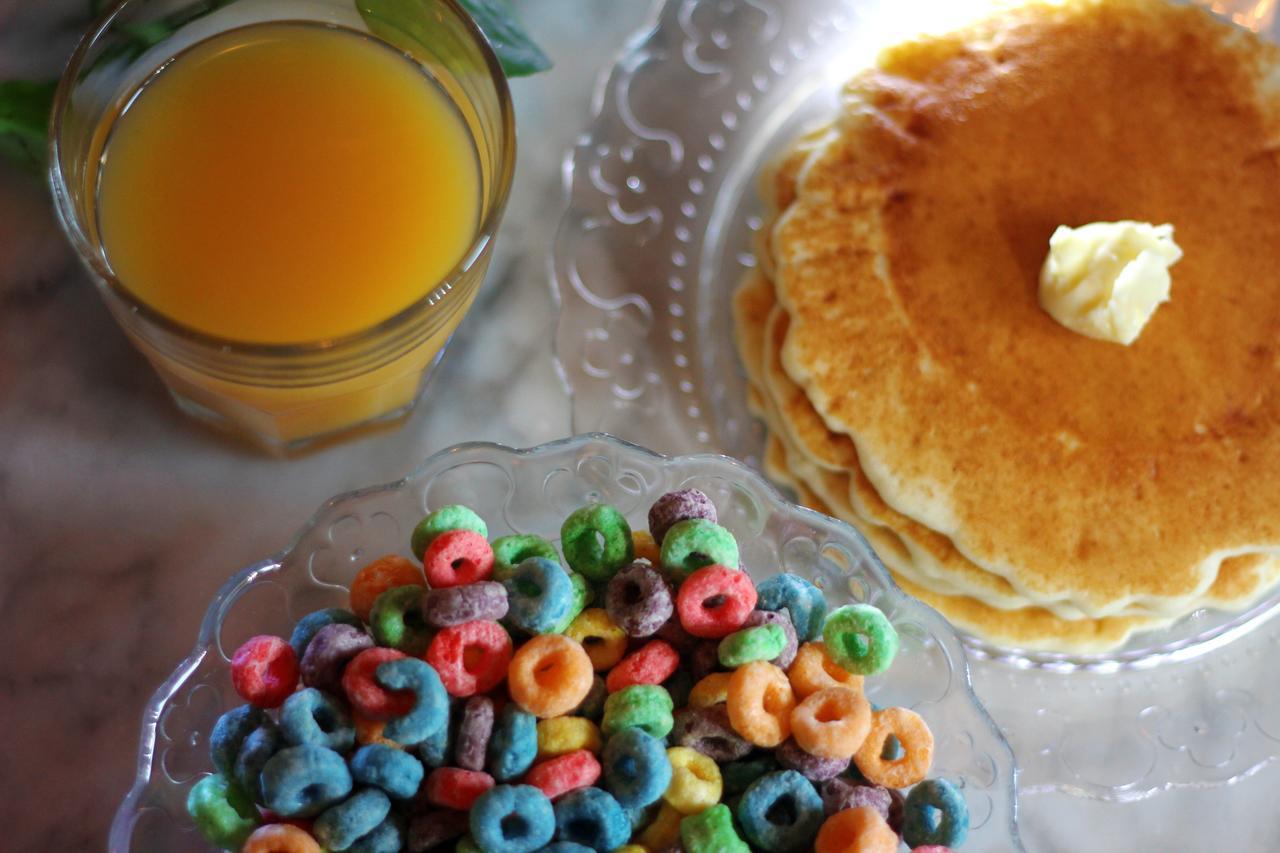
(119, 518)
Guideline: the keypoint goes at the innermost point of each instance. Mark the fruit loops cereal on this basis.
(633, 691)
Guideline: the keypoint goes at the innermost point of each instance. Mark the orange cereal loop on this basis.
(549, 675)
(860, 830)
(814, 670)
(280, 838)
(832, 723)
(760, 703)
(379, 576)
(369, 731)
(917, 749)
(711, 690)
(646, 548)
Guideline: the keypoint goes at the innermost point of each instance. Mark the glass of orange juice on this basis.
(288, 205)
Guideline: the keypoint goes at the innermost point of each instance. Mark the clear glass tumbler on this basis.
(283, 396)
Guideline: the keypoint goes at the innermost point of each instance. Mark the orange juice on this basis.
(287, 183)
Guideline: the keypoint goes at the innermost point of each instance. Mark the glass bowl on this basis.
(532, 491)
(661, 211)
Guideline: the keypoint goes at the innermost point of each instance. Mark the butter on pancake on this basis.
(908, 265)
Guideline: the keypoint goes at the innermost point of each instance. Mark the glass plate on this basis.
(531, 491)
(661, 209)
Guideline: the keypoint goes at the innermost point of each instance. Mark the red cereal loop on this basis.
(264, 671)
(564, 773)
(472, 657)
(366, 695)
(653, 663)
(455, 788)
(457, 557)
(715, 601)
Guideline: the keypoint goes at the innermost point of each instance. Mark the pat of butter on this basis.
(1105, 279)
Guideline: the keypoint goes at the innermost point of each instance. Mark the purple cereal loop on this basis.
(473, 733)
(840, 793)
(675, 634)
(812, 767)
(783, 621)
(897, 810)
(433, 829)
(328, 653)
(704, 659)
(708, 730)
(638, 600)
(678, 506)
(485, 600)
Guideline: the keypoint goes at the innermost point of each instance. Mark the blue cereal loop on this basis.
(386, 837)
(803, 602)
(540, 596)
(312, 716)
(255, 751)
(430, 712)
(593, 818)
(635, 768)
(394, 771)
(342, 825)
(780, 812)
(514, 743)
(229, 732)
(512, 819)
(302, 781)
(935, 813)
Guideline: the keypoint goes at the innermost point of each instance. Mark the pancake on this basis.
(1238, 582)
(1033, 629)
(1080, 471)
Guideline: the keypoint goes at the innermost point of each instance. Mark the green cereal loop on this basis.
(646, 707)
(222, 811)
(396, 620)
(763, 642)
(580, 534)
(467, 844)
(859, 638)
(711, 831)
(577, 605)
(446, 518)
(511, 551)
(695, 542)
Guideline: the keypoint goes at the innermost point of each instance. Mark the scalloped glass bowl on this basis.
(532, 491)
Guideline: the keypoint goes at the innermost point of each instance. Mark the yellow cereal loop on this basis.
(695, 781)
(604, 641)
(562, 735)
(631, 848)
(711, 690)
(646, 548)
(664, 830)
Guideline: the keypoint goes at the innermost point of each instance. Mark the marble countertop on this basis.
(119, 518)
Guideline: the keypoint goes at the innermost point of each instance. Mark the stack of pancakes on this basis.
(1041, 489)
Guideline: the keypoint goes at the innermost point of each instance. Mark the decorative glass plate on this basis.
(661, 209)
(531, 491)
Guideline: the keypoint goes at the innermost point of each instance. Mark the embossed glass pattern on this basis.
(532, 491)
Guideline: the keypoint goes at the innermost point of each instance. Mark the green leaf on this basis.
(516, 51)
(24, 121)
